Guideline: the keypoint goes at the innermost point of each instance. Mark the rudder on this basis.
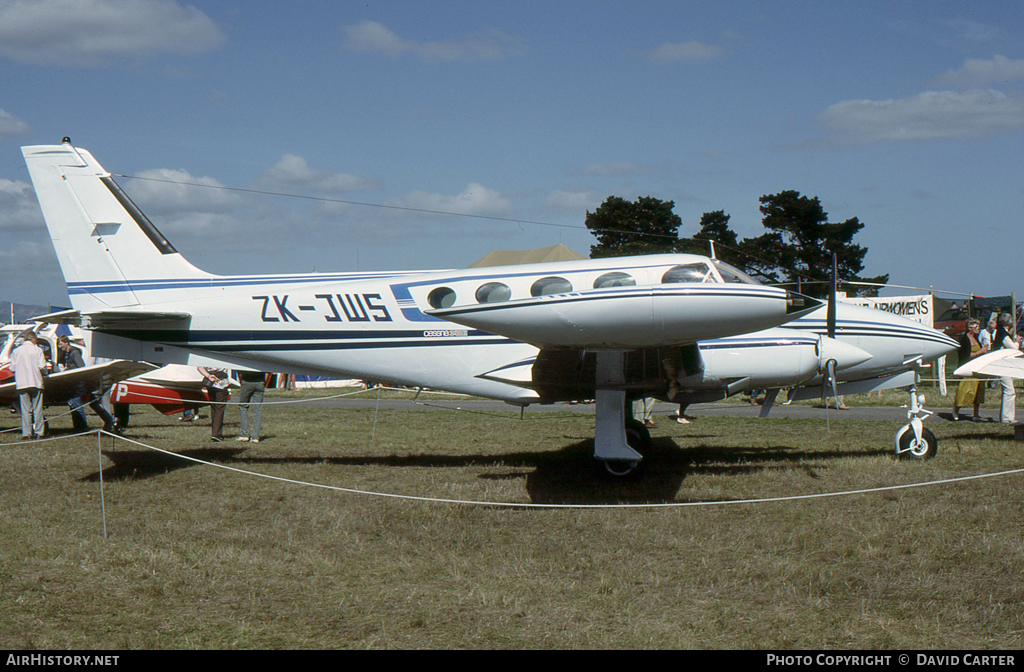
(104, 243)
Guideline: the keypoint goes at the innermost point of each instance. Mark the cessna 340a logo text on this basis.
(353, 308)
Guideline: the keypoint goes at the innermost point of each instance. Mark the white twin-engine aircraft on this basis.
(606, 329)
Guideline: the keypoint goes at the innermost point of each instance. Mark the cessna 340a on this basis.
(605, 329)
(461, 331)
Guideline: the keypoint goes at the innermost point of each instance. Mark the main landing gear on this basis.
(914, 440)
(617, 438)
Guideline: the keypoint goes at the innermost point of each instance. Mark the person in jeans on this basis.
(29, 366)
(70, 358)
(250, 402)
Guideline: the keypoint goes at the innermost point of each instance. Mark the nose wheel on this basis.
(914, 441)
(909, 445)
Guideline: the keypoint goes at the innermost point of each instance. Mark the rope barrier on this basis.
(530, 505)
(516, 505)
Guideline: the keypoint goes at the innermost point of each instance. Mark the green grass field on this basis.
(201, 557)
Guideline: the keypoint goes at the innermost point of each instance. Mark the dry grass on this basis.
(199, 557)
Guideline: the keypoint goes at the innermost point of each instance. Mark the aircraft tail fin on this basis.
(106, 246)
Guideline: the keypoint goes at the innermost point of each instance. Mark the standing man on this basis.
(250, 398)
(217, 382)
(1005, 339)
(29, 366)
(71, 358)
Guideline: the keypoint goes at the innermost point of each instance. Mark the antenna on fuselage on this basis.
(712, 244)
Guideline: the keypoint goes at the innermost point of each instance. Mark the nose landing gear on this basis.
(914, 440)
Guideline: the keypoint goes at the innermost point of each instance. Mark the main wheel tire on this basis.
(620, 468)
(912, 448)
(638, 437)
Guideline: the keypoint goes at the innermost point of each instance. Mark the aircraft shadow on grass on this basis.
(569, 475)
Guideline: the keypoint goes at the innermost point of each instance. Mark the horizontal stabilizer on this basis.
(61, 317)
(126, 319)
(110, 320)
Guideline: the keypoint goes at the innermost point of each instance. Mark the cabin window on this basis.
(493, 292)
(688, 273)
(615, 279)
(550, 285)
(441, 297)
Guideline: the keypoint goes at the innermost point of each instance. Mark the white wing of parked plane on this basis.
(1004, 363)
(63, 385)
(59, 386)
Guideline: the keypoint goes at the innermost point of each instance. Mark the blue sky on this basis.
(907, 115)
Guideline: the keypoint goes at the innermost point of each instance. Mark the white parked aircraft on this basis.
(61, 385)
(610, 329)
(468, 331)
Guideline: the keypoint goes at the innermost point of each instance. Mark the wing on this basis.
(60, 387)
(997, 364)
(178, 376)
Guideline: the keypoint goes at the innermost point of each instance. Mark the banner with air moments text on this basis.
(918, 308)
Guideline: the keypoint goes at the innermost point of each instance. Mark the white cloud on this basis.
(931, 115)
(978, 72)
(167, 192)
(27, 262)
(683, 52)
(10, 125)
(292, 172)
(373, 37)
(18, 206)
(475, 199)
(90, 32)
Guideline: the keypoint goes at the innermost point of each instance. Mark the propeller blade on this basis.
(830, 379)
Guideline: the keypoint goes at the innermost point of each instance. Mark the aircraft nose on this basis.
(939, 345)
(845, 354)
